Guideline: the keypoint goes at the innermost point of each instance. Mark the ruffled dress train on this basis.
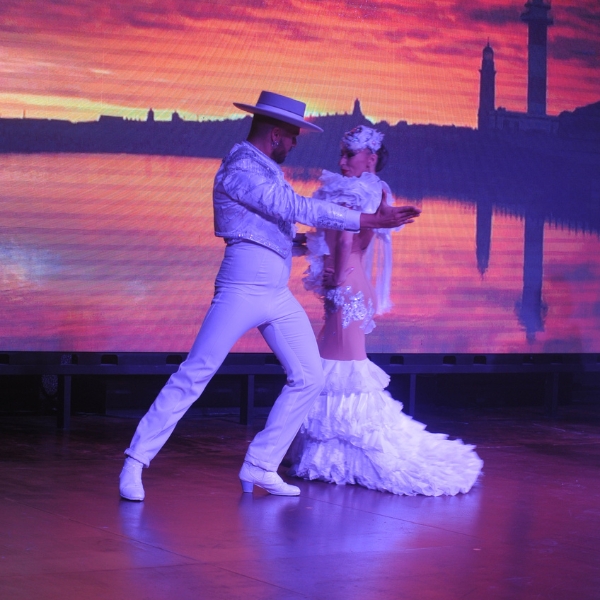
(357, 433)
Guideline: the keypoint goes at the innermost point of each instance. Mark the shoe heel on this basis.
(247, 486)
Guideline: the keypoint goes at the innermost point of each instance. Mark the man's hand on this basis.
(389, 216)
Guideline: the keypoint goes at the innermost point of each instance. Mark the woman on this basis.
(356, 432)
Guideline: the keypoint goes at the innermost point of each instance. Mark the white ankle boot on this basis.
(251, 475)
(130, 480)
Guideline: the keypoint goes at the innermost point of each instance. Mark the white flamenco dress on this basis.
(356, 432)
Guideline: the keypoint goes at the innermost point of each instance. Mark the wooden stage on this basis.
(529, 529)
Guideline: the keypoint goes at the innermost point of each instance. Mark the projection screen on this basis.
(114, 117)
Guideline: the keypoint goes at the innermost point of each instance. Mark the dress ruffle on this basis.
(360, 193)
(357, 433)
(354, 377)
(317, 249)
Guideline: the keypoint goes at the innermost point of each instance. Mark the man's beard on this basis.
(279, 156)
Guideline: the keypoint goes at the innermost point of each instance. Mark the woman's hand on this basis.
(300, 239)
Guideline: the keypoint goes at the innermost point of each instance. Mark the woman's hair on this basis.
(382, 158)
(366, 138)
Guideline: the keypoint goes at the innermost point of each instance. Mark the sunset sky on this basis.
(406, 60)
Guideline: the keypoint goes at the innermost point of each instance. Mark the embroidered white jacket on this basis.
(252, 201)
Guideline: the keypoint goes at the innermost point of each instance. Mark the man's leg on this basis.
(230, 315)
(291, 338)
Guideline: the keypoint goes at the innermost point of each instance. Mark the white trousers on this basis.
(250, 291)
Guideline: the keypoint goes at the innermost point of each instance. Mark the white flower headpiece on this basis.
(362, 137)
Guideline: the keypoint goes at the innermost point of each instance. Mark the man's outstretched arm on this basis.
(389, 216)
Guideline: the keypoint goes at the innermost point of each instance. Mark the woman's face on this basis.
(354, 164)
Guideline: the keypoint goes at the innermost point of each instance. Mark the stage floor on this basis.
(529, 529)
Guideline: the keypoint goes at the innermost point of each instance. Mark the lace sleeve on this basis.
(378, 262)
(317, 249)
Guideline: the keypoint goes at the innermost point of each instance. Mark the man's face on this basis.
(286, 137)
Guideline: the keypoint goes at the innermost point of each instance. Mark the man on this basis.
(254, 211)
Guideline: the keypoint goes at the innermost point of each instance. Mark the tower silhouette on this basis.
(487, 89)
(538, 20)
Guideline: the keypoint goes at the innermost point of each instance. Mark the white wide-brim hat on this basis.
(281, 108)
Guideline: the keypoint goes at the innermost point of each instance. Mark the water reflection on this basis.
(531, 309)
(483, 235)
(118, 253)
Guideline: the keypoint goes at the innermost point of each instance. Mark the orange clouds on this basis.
(414, 61)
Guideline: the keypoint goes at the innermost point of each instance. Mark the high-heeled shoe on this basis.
(251, 475)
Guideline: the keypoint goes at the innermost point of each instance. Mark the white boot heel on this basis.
(247, 486)
(251, 475)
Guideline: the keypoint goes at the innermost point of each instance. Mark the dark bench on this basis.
(67, 365)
